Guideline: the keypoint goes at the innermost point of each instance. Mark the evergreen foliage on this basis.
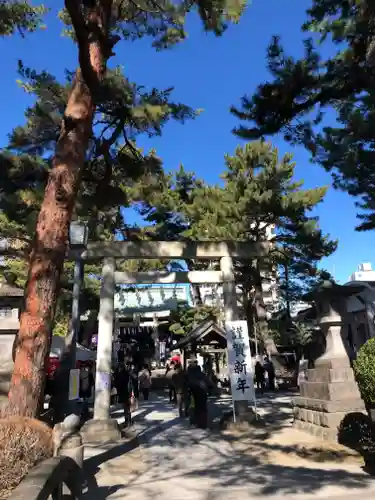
(365, 373)
(163, 21)
(19, 16)
(300, 98)
(258, 194)
(96, 26)
(116, 174)
(185, 318)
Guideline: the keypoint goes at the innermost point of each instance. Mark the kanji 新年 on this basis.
(241, 385)
(240, 367)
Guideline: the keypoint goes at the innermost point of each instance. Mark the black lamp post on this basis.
(78, 234)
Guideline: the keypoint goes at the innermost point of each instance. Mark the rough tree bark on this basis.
(47, 257)
(261, 314)
(197, 297)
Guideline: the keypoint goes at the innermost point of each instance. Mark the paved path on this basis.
(175, 462)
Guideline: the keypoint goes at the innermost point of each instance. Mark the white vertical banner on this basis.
(239, 361)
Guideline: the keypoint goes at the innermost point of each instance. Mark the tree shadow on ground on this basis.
(203, 465)
(275, 412)
(132, 439)
(318, 454)
(95, 492)
(224, 468)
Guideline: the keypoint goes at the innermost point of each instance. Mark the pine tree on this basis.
(258, 193)
(303, 93)
(19, 16)
(185, 318)
(96, 27)
(116, 174)
(165, 212)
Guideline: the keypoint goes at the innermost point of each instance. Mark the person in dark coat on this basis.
(270, 368)
(198, 385)
(86, 383)
(123, 384)
(259, 376)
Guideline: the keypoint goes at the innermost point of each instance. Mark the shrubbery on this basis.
(364, 369)
(24, 442)
(356, 431)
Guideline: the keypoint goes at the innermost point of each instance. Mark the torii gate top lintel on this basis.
(169, 250)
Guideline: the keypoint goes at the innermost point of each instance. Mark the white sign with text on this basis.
(74, 385)
(239, 361)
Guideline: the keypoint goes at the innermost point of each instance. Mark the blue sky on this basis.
(209, 73)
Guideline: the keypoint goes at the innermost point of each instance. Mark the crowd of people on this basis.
(264, 373)
(188, 389)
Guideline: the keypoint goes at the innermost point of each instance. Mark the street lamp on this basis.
(63, 406)
(68, 408)
(78, 234)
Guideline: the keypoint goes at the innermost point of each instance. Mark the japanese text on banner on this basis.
(239, 361)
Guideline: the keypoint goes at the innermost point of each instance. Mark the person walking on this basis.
(179, 385)
(270, 369)
(169, 374)
(135, 385)
(123, 384)
(145, 382)
(198, 385)
(259, 376)
(86, 383)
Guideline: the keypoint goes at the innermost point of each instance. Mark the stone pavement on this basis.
(175, 462)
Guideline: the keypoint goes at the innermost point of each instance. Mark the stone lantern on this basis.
(330, 390)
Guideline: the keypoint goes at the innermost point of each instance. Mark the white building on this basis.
(361, 307)
(364, 273)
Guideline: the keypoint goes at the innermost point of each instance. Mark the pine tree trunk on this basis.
(91, 28)
(287, 294)
(261, 314)
(197, 295)
(249, 311)
(47, 257)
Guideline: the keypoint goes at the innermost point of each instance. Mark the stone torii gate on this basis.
(110, 251)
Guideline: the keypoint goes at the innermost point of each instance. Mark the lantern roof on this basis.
(329, 287)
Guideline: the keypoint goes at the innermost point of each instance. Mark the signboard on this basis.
(103, 381)
(162, 349)
(151, 298)
(74, 384)
(239, 361)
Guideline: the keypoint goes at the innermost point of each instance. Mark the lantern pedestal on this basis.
(330, 391)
